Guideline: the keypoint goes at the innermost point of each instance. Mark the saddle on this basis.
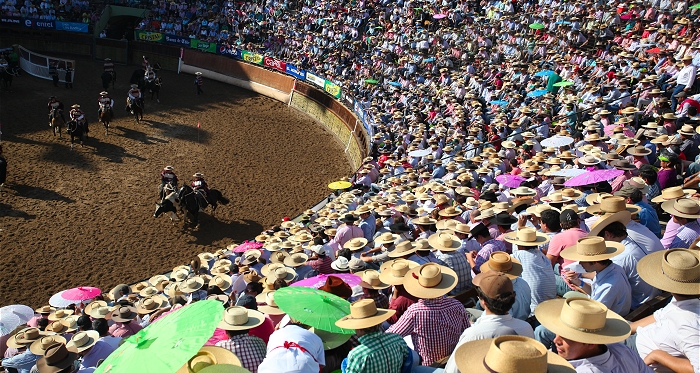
(202, 198)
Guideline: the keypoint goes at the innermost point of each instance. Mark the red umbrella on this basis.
(81, 293)
(653, 50)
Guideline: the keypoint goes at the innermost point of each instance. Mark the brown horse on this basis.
(57, 122)
(105, 118)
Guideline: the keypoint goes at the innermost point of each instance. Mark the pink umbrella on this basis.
(81, 293)
(320, 280)
(439, 16)
(247, 245)
(511, 181)
(593, 177)
(626, 131)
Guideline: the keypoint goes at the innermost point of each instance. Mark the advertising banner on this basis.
(72, 26)
(155, 37)
(11, 21)
(313, 78)
(274, 63)
(332, 88)
(204, 46)
(229, 51)
(295, 71)
(252, 57)
(182, 41)
(37, 23)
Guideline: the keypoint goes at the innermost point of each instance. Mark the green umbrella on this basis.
(564, 83)
(167, 344)
(313, 307)
(371, 81)
(536, 26)
(696, 6)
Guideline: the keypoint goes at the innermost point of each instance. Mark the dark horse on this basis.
(57, 121)
(136, 108)
(108, 77)
(7, 74)
(76, 130)
(191, 201)
(105, 117)
(154, 88)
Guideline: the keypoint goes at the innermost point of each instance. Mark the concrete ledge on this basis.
(245, 84)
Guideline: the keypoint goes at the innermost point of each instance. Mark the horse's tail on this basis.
(223, 200)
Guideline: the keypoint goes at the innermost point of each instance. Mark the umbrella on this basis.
(544, 73)
(557, 141)
(57, 300)
(431, 59)
(81, 293)
(166, 345)
(371, 81)
(339, 185)
(13, 316)
(395, 84)
(537, 93)
(247, 245)
(313, 307)
(536, 26)
(593, 177)
(653, 50)
(439, 16)
(25, 313)
(609, 130)
(696, 6)
(511, 181)
(568, 172)
(564, 83)
(320, 280)
(419, 152)
(499, 102)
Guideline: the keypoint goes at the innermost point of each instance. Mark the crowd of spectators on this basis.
(80, 11)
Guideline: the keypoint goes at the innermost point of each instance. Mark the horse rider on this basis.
(134, 94)
(105, 102)
(55, 104)
(149, 76)
(145, 64)
(199, 184)
(108, 65)
(199, 81)
(3, 62)
(167, 176)
(77, 115)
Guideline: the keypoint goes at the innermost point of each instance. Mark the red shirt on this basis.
(264, 330)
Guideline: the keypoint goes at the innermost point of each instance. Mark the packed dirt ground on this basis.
(83, 217)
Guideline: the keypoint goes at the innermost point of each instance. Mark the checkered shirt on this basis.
(458, 262)
(249, 349)
(380, 300)
(434, 326)
(489, 247)
(378, 353)
(322, 265)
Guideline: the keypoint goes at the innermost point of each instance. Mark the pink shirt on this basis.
(34, 321)
(561, 241)
(124, 330)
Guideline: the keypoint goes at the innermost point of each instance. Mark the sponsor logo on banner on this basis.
(252, 57)
(178, 40)
(275, 64)
(313, 78)
(72, 26)
(35, 23)
(295, 71)
(11, 20)
(203, 45)
(331, 88)
(155, 37)
(229, 51)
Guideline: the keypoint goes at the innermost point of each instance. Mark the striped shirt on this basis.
(538, 273)
(249, 349)
(322, 265)
(489, 247)
(686, 235)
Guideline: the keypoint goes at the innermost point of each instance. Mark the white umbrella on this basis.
(8, 323)
(569, 172)
(420, 152)
(25, 313)
(557, 141)
(57, 300)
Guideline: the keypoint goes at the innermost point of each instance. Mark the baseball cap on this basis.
(626, 191)
(318, 249)
(568, 215)
(493, 283)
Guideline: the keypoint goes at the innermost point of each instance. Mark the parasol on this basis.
(609, 130)
(313, 307)
(439, 16)
(419, 153)
(81, 293)
(696, 6)
(536, 26)
(395, 84)
(564, 83)
(431, 59)
(371, 81)
(248, 245)
(320, 280)
(537, 93)
(653, 50)
(57, 300)
(557, 141)
(510, 181)
(568, 172)
(13, 316)
(544, 73)
(499, 102)
(166, 345)
(339, 185)
(593, 177)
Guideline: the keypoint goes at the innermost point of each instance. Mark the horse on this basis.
(169, 204)
(136, 108)
(193, 200)
(108, 77)
(7, 74)
(154, 88)
(137, 78)
(75, 129)
(165, 189)
(105, 117)
(56, 121)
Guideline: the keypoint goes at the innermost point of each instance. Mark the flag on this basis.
(198, 126)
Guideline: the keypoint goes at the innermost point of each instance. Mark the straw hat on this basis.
(364, 314)
(45, 310)
(582, 320)
(444, 242)
(25, 337)
(270, 307)
(610, 205)
(370, 280)
(595, 198)
(341, 264)
(191, 285)
(251, 275)
(509, 354)
(355, 244)
(682, 207)
(123, 314)
(538, 209)
(589, 160)
(556, 197)
(100, 312)
(81, 341)
(151, 304)
(212, 359)
(60, 314)
(240, 318)
(672, 193)
(485, 214)
(623, 217)
(592, 249)
(280, 272)
(430, 281)
(450, 211)
(676, 271)
(56, 358)
(386, 237)
(296, 260)
(502, 262)
(526, 237)
(393, 271)
(39, 346)
(639, 151)
(401, 249)
(523, 191)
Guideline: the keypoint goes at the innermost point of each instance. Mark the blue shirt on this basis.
(610, 287)
(368, 227)
(22, 362)
(649, 218)
(654, 190)
(537, 272)
(521, 307)
(641, 291)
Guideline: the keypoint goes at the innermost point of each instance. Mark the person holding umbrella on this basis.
(237, 322)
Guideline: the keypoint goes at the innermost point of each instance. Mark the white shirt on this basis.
(484, 328)
(279, 358)
(617, 359)
(686, 76)
(675, 332)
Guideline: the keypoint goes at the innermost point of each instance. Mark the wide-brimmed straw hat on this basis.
(556, 197)
(526, 237)
(589, 160)
(582, 320)
(296, 260)
(341, 264)
(393, 271)
(423, 220)
(682, 207)
(25, 337)
(191, 285)
(151, 304)
(523, 191)
(539, 208)
(511, 354)
(56, 358)
(623, 217)
(592, 249)
(270, 306)
(610, 205)
(639, 151)
(401, 249)
(212, 359)
(672, 193)
(44, 310)
(83, 340)
(676, 271)
(386, 237)
(370, 280)
(355, 244)
(124, 314)
(240, 318)
(39, 346)
(60, 314)
(502, 262)
(444, 242)
(430, 281)
(364, 314)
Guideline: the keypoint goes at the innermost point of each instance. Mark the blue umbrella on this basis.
(431, 59)
(544, 73)
(537, 93)
(499, 102)
(395, 84)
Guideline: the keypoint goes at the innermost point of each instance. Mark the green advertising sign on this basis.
(332, 88)
(204, 46)
(155, 37)
(252, 57)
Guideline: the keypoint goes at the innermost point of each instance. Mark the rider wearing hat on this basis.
(167, 177)
(55, 104)
(108, 65)
(150, 75)
(105, 102)
(200, 184)
(78, 115)
(134, 94)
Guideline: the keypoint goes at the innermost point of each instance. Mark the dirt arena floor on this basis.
(83, 217)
